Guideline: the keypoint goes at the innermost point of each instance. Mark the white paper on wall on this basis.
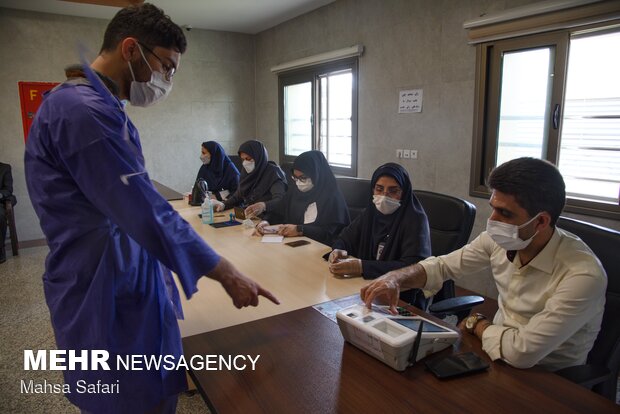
(410, 101)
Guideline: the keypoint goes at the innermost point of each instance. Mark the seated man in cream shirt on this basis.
(551, 286)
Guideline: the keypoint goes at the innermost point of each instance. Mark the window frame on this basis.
(486, 108)
(313, 74)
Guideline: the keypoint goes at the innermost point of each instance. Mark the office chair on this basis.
(287, 167)
(10, 221)
(356, 192)
(450, 220)
(600, 373)
(237, 161)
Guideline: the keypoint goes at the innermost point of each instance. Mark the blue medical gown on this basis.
(106, 280)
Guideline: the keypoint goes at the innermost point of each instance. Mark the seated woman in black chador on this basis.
(262, 182)
(315, 206)
(218, 170)
(391, 233)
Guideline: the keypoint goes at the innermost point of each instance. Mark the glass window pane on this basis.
(336, 123)
(525, 97)
(297, 118)
(590, 141)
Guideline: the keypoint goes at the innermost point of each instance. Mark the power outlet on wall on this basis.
(405, 153)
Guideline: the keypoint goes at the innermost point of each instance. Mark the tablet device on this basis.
(456, 365)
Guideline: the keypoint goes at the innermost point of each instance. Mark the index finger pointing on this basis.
(268, 295)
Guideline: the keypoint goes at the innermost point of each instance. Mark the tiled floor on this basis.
(25, 324)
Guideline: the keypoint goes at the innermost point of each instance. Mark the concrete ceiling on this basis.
(244, 16)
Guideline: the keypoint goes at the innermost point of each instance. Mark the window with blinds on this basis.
(554, 96)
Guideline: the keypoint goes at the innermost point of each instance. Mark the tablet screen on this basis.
(414, 325)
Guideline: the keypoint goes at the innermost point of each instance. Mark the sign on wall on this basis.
(30, 97)
(410, 101)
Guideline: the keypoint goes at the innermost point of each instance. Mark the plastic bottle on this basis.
(207, 209)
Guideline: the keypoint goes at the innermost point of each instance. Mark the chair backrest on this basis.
(356, 192)
(287, 167)
(605, 243)
(450, 220)
(237, 161)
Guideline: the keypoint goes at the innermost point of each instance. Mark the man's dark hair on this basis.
(537, 185)
(148, 24)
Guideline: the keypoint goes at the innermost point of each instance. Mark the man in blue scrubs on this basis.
(113, 239)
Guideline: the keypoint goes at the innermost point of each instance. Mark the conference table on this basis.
(304, 364)
(306, 367)
(297, 276)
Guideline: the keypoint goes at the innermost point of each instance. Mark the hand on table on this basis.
(259, 230)
(289, 230)
(217, 205)
(337, 255)
(255, 209)
(350, 266)
(386, 286)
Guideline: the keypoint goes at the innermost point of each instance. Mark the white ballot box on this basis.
(391, 339)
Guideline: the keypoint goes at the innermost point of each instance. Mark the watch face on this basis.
(470, 321)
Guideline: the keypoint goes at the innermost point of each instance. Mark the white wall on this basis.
(212, 97)
(409, 44)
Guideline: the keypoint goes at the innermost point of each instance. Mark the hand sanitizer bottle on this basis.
(207, 209)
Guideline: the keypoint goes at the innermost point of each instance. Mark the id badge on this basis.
(380, 250)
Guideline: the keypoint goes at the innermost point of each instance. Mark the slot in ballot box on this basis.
(391, 338)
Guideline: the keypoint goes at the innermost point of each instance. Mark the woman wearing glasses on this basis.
(314, 207)
(262, 183)
(218, 170)
(391, 233)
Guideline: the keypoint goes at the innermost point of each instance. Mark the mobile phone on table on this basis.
(297, 243)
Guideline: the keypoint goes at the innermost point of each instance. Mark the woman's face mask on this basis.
(205, 158)
(385, 204)
(147, 93)
(248, 166)
(507, 235)
(304, 185)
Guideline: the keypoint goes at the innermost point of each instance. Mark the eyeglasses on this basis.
(391, 191)
(301, 178)
(168, 70)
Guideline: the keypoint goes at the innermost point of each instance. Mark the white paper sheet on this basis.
(272, 238)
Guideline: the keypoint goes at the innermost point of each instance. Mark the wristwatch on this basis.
(300, 229)
(472, 320)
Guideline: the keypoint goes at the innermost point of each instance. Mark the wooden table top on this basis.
(298, 276)
(167, 192)
(306, 367)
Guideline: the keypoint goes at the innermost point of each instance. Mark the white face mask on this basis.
(205, 158)
(147, 93)
(507, 235)
(249, 166)
(304, 186)
(386, 205)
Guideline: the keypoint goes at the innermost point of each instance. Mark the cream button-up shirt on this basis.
(550, 310)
